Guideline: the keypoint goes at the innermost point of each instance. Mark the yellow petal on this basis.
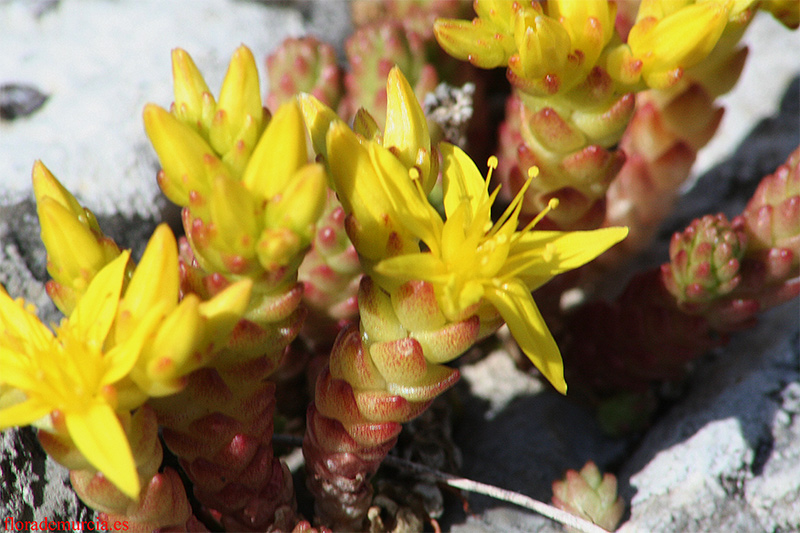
(21, 325)
(318, 119)
(223, 311)
(73, 253)
(181, 151)
(98, 435)
(154, 280)
(280, 153)
(461, 180)
(23, 414)
(20, 370)
(544, 254)
(408, 209)
(454, 246)
(406, 126)
(167, 356)
(123, 356)
(514, 303)
(192, 96)
(423, 266)
(239, 101)
(97, 309)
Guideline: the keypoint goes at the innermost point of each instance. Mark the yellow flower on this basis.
(472, 261)
(547, 49)
(76, 247)
(670, 37)
(122, 343)
(375, 188)
(234, 214)
(231, 125)
(406, 133)
(72, 372)
(188, 330)
(487, 41)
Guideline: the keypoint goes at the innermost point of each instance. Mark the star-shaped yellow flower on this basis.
(125, 340)
(472, 261)
(71, 372)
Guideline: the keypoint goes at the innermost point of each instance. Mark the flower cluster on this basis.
(553, 47)
(118, 345)
(252, 198)
(474, 264)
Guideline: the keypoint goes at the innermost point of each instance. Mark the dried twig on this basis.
(553, 513)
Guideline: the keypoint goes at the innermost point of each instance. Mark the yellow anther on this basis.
(413, 173)
(492, 164)
(551, 204)
(533, 172)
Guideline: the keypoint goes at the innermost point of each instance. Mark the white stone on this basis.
(100, 62)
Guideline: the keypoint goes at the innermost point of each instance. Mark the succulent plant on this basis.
(704, 261)
(303, 65)
(591, 495)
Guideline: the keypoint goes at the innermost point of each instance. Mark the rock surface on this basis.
(724, 458)
(99, 62)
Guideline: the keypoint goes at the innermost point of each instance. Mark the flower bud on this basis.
(318, 119)
(406, 132)
(542, 48)
(772, 217)
(280, 153)
(182, 153)
(680, 40)
(74, 255)
(486, 42)
(235, 217)
(704, 260)
(239, 105)
(278, 248)
(194, 103)
(300, 204)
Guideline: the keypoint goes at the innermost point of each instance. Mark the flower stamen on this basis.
(551, 204)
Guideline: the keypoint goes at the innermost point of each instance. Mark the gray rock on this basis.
(518, 435)
(723, 459)
(35, 487)
(774, 493)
